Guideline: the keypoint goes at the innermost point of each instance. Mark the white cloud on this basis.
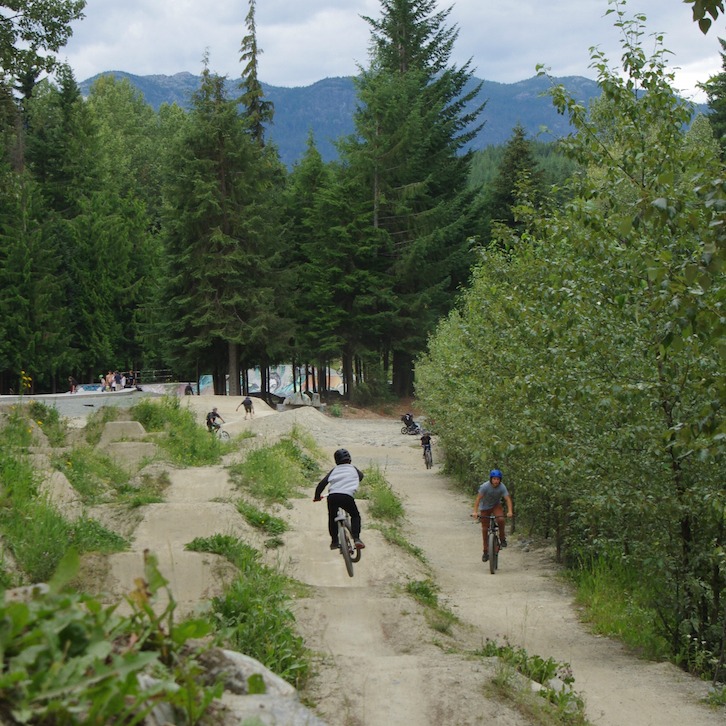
(303, 42)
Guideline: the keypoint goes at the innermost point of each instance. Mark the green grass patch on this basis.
(383, 503)
(187, 443)
(393, 536)
(34, 531)
(17, 433)
(97, 420)
(150, 490)
(253, 614)
(426, 592)
(95, 476)
(267, 523)
(275, 474)
(49, 421)
(616, 602)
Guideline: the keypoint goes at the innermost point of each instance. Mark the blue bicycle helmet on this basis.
(495, 472)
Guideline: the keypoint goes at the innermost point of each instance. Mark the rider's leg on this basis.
(484, 515)
(349, 505)
(332, 513)
(499, 514)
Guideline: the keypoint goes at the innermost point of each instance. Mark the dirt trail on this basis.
(380, 661)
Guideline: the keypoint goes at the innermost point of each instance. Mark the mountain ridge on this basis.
(326, 107)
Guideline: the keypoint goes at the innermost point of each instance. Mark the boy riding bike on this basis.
(212, 424)
(342, 482)
(488, 502)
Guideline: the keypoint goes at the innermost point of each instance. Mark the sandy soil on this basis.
(380, 661)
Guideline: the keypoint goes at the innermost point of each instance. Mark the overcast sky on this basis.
(304, 41)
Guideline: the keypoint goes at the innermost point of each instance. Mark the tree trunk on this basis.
(402, 374)
(233, 366)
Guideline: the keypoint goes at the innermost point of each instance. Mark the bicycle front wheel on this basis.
(346, 545)
(223, 435)
(429, 459)
(493, 552)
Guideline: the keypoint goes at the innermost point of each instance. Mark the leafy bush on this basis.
(253, 615)
(67, 659)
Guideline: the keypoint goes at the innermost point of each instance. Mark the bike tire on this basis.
(429, 459)
(404, 429)
(493, 552)
(223, 435)
(345, 547)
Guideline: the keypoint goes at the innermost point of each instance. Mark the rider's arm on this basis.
(510, 507)
(321, 485)
(476, 505)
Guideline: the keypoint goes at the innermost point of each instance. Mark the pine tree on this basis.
(257, 111)
(517, 169)
(417, 116)
(715, 89)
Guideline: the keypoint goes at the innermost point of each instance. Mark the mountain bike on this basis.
(348, 549)
(220, 433)
(428, 457)
(493, 543)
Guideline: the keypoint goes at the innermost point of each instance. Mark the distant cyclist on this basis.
(426, 442)
(212, 424)
(342, 482)
(488, 502)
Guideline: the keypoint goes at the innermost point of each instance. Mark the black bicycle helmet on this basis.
(342, 456)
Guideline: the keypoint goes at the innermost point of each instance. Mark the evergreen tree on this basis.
(411, 128)
(257, 111)
(220, 290)
(517, 170)
(715, 88)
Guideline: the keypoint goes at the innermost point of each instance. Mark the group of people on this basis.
(344, 478)
(117, 380)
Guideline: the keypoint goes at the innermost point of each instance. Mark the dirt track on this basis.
(379, 659)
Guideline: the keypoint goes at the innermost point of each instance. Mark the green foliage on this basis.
(253, 614)
(95, 476)
(425, 591)
(186, 442)
(274, 474)
(96, 422)
(261, 520)
(49, 419)
(68, 659)
(586, 361)
(617, 603)
(383, 503)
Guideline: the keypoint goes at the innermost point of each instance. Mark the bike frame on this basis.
(493, 544)
(345, 539)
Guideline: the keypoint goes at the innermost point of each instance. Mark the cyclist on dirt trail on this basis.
(488, 502)
(342, 482)
(212, 424)
(426, 442)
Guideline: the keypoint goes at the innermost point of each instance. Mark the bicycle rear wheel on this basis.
(346, 545)
(429, 458)
(493, 543)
